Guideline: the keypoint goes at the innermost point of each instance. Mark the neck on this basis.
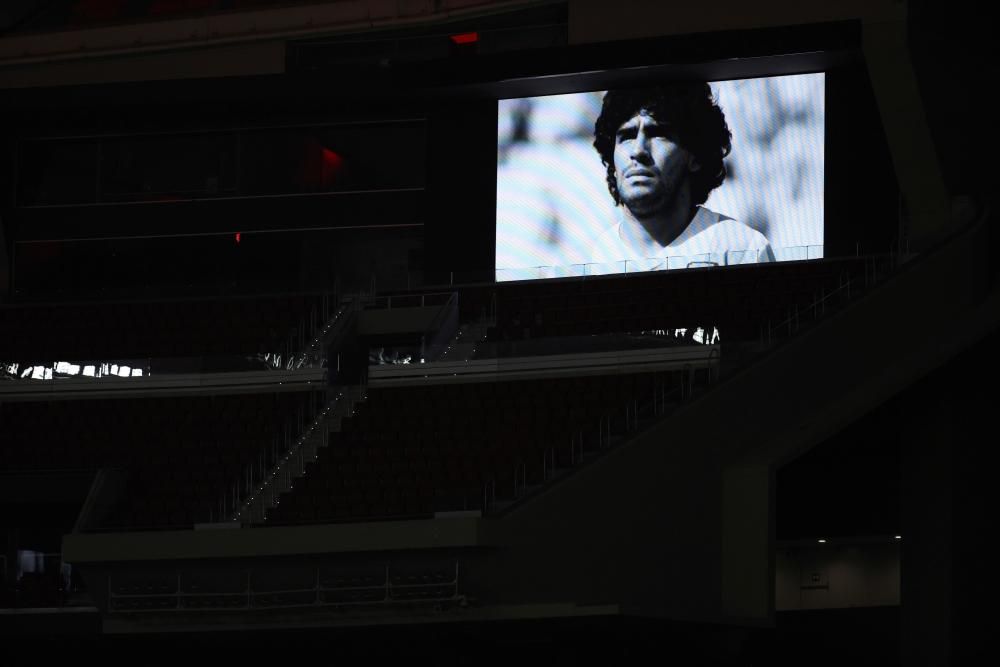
(658, 230)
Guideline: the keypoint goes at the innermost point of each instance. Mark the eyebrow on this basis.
(631, 126)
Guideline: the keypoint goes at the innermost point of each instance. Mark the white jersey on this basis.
(710, 239)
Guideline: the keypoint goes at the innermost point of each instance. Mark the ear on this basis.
(693, 164)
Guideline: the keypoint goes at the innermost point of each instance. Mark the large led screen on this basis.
(676, 175)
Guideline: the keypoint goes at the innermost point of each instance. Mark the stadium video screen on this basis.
(668, 176)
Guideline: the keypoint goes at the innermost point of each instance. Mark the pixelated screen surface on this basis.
(645, 179)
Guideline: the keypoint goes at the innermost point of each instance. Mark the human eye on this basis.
(625, 133)
(656, 131)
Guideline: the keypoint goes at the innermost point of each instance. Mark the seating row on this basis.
(179, 454)
(133, 330)
(411, 451)
(737, 300)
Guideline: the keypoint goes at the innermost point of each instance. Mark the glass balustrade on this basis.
(662, 263)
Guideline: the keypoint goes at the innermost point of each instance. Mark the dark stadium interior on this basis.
(264, 395)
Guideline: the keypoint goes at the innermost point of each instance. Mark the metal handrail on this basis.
(548, 463)
(818, 306)
(293, 454)
(489, 494)
(578, 441)
(447, 313)
(251, 597)
(522, 468)
(573, 457)
(317, 345)
(385, 300)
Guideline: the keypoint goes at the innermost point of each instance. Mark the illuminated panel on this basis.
(465, 38)
(665, 191)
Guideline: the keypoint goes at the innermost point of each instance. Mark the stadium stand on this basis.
(738, 301)
(440, 448)
(180, 454)
(263, 392)
(144, 329)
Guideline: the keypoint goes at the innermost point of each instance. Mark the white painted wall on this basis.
(832, 576)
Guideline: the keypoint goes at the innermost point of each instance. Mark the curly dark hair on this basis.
(692, 119)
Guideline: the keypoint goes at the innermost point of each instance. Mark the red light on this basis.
(332, 167)
(237, 238)
(332, 160)
(465, 38)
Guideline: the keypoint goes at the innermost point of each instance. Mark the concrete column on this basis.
(914, 156)
(927, 547)
(748, 543)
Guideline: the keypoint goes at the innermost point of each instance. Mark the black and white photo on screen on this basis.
(675, 175)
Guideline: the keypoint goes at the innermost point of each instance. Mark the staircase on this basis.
(291, 466)
(463, 346)
(311, 353)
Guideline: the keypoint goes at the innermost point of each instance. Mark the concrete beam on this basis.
(601, 21)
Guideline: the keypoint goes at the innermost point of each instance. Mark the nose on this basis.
(640, 147)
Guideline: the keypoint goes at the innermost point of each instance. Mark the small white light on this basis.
(898, 537)
(821, 541)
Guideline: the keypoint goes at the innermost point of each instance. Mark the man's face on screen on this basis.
(649, 167)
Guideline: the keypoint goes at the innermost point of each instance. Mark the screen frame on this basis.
(647, 76)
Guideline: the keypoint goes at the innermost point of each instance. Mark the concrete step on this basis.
(284, 476)
(463, 345)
